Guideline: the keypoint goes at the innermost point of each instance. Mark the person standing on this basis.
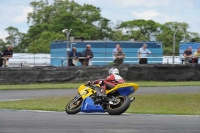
(88, 54)
(188, 55)
(7, 53)
(115, 50)
(196, 56)
(119, 57)
(73, 55)
(1, 60)
(142, 54)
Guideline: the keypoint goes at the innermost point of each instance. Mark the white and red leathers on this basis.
(112, 80)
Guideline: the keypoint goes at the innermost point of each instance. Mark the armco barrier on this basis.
(81, 74)
(162, 72)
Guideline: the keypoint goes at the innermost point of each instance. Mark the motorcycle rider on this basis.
(113, 79)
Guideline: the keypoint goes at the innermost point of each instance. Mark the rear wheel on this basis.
(120, 106)
(74, 106)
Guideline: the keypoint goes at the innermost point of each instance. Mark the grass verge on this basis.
(180, 104)
(76, 85)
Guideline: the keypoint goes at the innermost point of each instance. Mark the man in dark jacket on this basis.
(72, 55)
(7, 53)
(1, 60)
(88, 54)
(119, 57)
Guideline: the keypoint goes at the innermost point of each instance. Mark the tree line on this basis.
(48, 20)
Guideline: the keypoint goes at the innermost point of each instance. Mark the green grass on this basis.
(180, 104)
(76, 85)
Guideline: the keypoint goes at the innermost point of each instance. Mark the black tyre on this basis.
(122, 104)
(74, 106)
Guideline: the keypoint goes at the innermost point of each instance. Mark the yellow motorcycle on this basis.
(116, 101)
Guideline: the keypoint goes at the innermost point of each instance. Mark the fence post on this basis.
(174, 44)
(62, 61)
(167, 60)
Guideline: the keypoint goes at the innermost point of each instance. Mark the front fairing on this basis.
(85, 91)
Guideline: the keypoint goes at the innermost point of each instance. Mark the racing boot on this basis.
(100, 95)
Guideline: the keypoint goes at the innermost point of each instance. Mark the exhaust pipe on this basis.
(132, 99)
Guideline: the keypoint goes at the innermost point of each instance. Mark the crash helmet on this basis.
(113, 71)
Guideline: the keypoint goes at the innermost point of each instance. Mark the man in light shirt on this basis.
(142, 54)
(115, 50)
(196, 55)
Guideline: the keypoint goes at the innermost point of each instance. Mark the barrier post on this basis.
(174, 44)
(167, 60)
(62, 61)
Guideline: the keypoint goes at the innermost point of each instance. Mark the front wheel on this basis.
(74, 106)
(120, 106)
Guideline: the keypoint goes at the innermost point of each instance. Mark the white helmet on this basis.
(113, 71)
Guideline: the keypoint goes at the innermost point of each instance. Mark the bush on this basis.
(111, 63)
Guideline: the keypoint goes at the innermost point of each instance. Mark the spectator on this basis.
(7, 53)
(88, 54)
(115, 51)
(73, 55)
(142, 54)
(188, 55)
(119, 57)
(1, 60)
(196, 55)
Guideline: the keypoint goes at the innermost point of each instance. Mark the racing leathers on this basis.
(112, 80)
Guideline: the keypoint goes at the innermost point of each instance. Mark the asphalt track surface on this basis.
(59, 122)
(25, 94)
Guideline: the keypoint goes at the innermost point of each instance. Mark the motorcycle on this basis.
(116, 102)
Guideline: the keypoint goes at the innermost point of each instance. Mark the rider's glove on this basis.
(89, 83)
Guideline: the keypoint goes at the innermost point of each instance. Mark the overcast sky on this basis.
(14, 12)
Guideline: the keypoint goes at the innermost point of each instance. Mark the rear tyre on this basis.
(74, 106)
(123, 103)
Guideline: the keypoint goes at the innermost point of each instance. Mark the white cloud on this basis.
(143, 3)
(157, 16)
(147, 15)
(3, 35)
(188, 3)
(23, 17)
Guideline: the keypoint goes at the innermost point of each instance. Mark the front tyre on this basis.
(74, 106)
(120, 106)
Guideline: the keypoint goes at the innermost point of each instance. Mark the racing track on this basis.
(25, 94)
(59, 122)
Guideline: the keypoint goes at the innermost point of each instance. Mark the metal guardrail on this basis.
(25, 61)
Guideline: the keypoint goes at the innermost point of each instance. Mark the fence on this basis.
(30, 60)
(45, 61)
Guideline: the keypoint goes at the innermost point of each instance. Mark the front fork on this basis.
(77, 98)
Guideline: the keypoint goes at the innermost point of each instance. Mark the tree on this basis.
(167, 32)
(194, 37)
(143, 29)
(3, 44)
(51, 19)
(48, 20)
(119, 36)
(42, 45)
(15, 36)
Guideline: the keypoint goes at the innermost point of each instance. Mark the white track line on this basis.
(42, 111)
